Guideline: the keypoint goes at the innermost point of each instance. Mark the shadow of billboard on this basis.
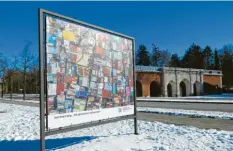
(34, 145)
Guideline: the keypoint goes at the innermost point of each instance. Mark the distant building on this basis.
(171, 82)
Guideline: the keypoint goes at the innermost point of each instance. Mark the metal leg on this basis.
(134, 96)
(42, 96)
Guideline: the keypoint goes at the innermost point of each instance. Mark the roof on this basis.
(212, 72)
(148, 69)
(159, 69)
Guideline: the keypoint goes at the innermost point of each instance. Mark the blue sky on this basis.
(170, 25)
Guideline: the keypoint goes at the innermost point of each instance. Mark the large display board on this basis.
(90, 74)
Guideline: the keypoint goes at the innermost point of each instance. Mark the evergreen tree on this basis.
(142, 57)
(216, 60)
(193, 58)
(208, 57)
(175, 61)
(227, 66)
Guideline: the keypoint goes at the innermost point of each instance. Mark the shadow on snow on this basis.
(34, 145)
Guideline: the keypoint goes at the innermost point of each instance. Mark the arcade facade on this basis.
(176, 82)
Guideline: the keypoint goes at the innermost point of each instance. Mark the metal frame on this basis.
(43, 90)
(134, 84)
(84, 23)
(42, 93)
(86, 125)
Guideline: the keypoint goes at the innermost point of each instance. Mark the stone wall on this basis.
(189, 77)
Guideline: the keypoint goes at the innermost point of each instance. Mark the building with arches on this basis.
(176, 82)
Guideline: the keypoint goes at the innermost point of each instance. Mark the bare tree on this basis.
(8, 75)
(164, 58)
(10, 78)
(23, 63)
(3, 65)
(35, 67)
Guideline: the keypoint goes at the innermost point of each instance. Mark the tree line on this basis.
(194, 57)
(20, 74)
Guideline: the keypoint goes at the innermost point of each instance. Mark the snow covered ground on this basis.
(224, 95)
(193, 113)
(19, 131)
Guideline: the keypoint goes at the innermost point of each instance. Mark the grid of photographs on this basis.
(87, 69)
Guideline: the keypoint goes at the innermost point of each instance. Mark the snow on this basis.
(224, 95)
(193, 113)
(19, 131)
(19, 122)
(2, 109)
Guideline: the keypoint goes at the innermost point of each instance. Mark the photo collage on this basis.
(87, 69)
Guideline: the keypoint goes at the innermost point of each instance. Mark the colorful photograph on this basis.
(86, 69)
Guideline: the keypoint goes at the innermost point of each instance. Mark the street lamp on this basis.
(2, 82)
(36, 83)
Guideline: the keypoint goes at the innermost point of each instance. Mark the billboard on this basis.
(89, 73)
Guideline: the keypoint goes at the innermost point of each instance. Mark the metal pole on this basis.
(36, 81)
(2, 87)
(190, 78)
(135, 99)
(41, 68)
(45, 79)
(176, 82)
(11, 85)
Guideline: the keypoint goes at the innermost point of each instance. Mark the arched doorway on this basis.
(169, 90)
(155, 89)
(182, 89)
(185, 88)
(138, 89)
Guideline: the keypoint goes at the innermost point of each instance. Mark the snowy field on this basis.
(19, 131)
(224, 95)
(193, 113)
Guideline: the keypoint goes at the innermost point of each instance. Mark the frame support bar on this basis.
(86, 125)
(42, 93)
